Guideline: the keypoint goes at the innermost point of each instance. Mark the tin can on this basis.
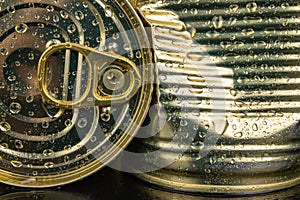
(74, 84)
(227, 92)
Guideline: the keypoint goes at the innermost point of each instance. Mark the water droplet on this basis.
(98, 39)
(248, 32)
(138, 54)
(270, 30)
(4, 146)
(212, 160)
(251, 7)
(195, 56)
(212, 34)
(232, 21)
(71, 28)
(260, 44)
(45, 125)
(162, 77)
(95, 22)
(15, 107)
(239, 104)
(47, 17)
(17, 63)
(194, 11)
(36, 16)
(13, 95)
(116, 36)
(79, 15)
(254, 127)
(52, 42)
(67, 147)
(4, 64)
(195, 156)
(66, 159)
(64, 14)
(93, 139)
(105, 117)
(285, 5)
(50, 8)
(11, 9)
(233, 8)
(225, 44)
(252, 20)
(196, 78)
(29, 165)
(82, 122)
(4, 52)
(2, 85)
(29, 76)
(55, 18)
(16, 163)
(109, 11)
(234, 126)
(239, 44)
(196, 90)
(196, 113)
(19, 144)
(271, 6)
(21, 28)
(197, 145)
(49, 165)
(85, 4)
(126, 47)
(48, 152)
(31, 113)
(232, 161)
(41, 25)
(206, 126)
(31, 56)
(233, 92)
(238, 135)
(218, 22)
(5, 127)
(183, 122)
(68, 123)
(87, 43)
(78, 156)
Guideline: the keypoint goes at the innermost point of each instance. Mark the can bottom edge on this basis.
(217, 189)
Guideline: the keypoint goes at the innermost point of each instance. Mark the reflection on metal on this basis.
(74, 87)
(121, 77)
(42, 195)
(250, 50)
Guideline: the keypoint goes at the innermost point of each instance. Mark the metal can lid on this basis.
(75, 83)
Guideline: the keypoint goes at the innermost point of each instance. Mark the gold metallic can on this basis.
(227, 89)
(74, 83)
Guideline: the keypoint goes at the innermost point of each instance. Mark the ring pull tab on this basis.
(109, 78)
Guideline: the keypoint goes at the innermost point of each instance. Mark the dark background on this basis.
(111, 184)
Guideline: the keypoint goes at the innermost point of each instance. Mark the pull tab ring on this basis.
(111, 79)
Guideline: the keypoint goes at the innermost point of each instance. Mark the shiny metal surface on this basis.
(228, 78)
(45, 143)
(97, 90)
(125, 186)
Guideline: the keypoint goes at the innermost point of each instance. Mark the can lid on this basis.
(75, 81)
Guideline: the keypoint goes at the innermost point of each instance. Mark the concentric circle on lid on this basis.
(44, 144)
